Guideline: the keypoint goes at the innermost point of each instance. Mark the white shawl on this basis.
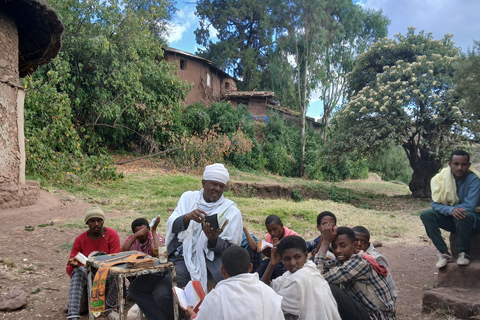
(194, 240)
(241, 297)
(306, 294)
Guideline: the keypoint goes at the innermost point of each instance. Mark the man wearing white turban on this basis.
(193, 247)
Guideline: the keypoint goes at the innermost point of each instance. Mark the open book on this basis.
(262, 245)
(192, 295)
(83, 259)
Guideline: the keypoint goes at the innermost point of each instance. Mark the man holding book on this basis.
(194, 246)
(97, 238)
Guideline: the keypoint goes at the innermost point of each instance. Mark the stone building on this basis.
(210, 84)
(30, 35)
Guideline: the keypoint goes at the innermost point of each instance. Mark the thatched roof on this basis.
(39, 32)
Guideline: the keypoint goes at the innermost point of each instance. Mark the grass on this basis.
(147, 195)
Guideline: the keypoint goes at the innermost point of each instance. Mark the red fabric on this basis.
(109, 243)
(381, 270)
(287, 232)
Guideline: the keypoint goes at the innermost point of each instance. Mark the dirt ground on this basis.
(35, 260)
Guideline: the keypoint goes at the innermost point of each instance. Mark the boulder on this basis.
(15, 299)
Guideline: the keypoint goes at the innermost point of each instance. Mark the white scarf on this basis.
(194, 240)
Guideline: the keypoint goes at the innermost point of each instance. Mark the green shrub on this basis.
(392, 164)
(195, 118)
(225, 116)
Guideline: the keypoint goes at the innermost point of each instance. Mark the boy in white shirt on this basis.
(241, 295)
(306, 294)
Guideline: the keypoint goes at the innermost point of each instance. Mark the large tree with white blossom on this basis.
(402, 91)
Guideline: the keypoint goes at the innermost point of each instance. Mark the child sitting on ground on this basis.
(322, 219)
(306, 294)
(276, 232)
(142, 239)
(249, 243)
(365, 293)
(362, 236)
(241, 295)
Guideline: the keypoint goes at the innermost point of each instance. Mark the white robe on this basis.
(306, 294)
(241, 297)
(194, 240)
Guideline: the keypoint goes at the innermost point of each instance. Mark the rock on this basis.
(15, 299)
(377, 244)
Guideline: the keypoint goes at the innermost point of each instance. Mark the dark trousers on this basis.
(348, 307)
(434, 220)
(153, 292)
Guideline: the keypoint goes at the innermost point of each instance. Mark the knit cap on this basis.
(94, 212)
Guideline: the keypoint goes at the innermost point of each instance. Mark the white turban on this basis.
(216, 172)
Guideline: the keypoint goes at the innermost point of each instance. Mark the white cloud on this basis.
(440, 17)
(181, 24)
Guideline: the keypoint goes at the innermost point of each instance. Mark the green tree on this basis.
(118, 86)
(351, 30)
(467, 84)
(402, 93)
(244, 37)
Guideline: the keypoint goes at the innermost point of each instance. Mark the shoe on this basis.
(463, 259)
(443, 260)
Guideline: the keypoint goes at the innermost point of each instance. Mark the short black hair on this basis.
(292, 242)
(138, 223)
(324, 214)
(236, 260)
(459, 153)
(348, 231)
(362, 230)
(273, 219)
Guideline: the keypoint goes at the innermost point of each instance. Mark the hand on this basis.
(143, 231)
(275, 257)
(275, 242)
(210, 233)
(196, 215)
(190, 313)
(459, 213)
(74, 262)
(155, 225)
(329, 232)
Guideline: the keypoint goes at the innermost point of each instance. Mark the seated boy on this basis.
(241, 295)
(306, 294)
(365, 293)
(322, 219)
(249, 243)
(276, 231)
(142, 239)
(362, 236)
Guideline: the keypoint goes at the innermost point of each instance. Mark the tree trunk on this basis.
(423, 172)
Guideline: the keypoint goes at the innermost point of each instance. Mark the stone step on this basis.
(454, 275)
(463, 303)
(474, 246)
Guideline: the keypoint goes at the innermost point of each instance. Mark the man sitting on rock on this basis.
(194, 248)
(96, 238)
(455, 206)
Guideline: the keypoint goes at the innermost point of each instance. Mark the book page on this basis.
(191, 295)
(81, 258)
(262, 245)
(182, 299)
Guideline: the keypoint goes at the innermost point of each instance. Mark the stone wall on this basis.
(14, 196)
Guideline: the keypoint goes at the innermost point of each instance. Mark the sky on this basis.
(440, 17)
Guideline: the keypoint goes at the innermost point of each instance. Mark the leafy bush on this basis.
(224, 117)
(54, 150)
(195, 118)
(392, 164)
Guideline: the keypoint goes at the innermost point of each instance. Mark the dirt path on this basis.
(35, 260)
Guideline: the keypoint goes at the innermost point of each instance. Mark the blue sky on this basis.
(440, 17)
